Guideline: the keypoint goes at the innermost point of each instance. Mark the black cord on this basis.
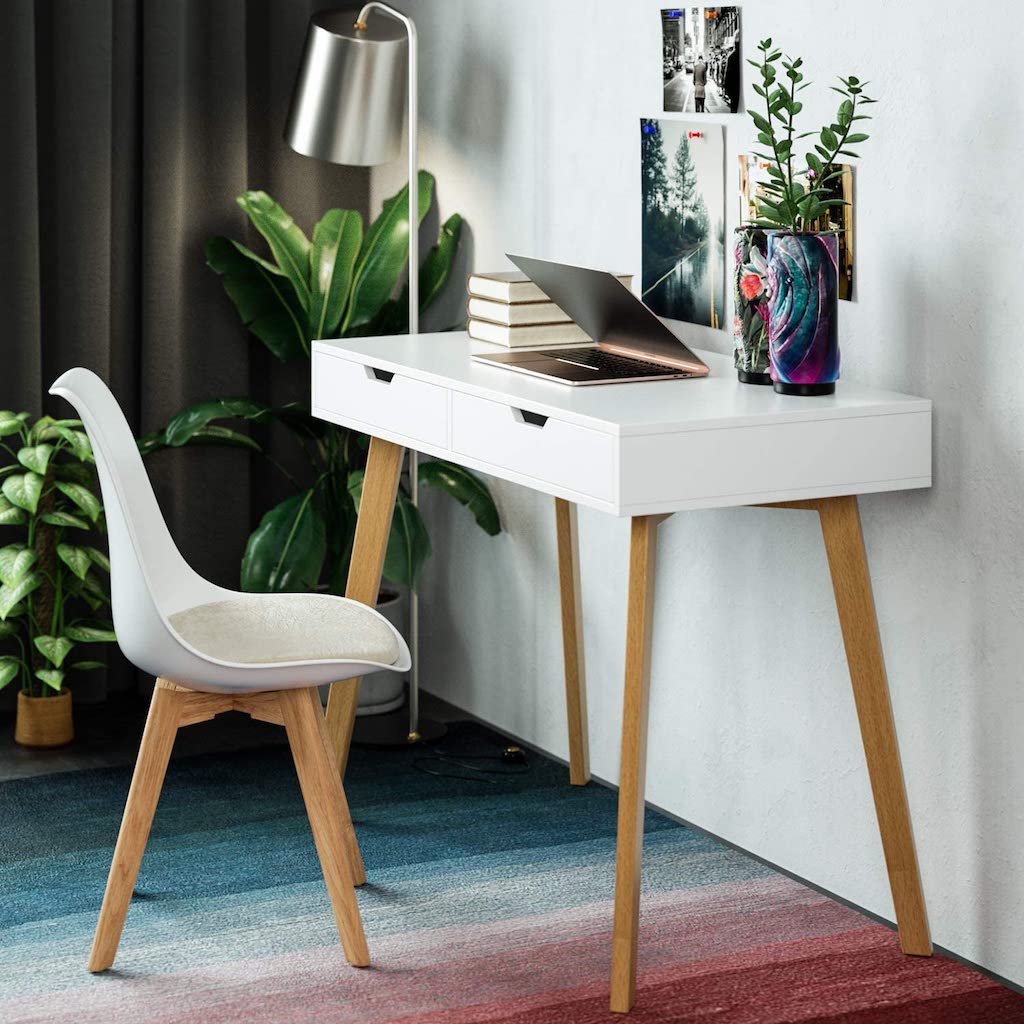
(512, 756)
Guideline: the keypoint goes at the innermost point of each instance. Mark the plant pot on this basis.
(749, 326)
(803, 338)
(381, 692)
(44, 721)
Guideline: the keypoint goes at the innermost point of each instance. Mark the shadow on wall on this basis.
(468, 104)
(969, 563)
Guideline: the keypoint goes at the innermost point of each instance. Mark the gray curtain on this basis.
(131, 125)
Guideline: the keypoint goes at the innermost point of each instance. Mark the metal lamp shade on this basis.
(349, 101)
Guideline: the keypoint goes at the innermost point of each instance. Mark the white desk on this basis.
(644, 451)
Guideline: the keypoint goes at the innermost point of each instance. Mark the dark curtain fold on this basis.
(131, 127)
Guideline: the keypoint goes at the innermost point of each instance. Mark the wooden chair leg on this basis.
(328, 812)
(150, 768)
(376, 509)
(633, 763)
(851, 581)
(572, 640)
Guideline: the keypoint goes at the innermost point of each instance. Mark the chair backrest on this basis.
(149, 578)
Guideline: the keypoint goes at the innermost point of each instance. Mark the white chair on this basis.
(215, 650)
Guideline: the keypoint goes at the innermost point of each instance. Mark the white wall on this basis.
(530, 121)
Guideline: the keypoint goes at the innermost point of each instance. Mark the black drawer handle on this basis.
(535, 419)
(385, 376)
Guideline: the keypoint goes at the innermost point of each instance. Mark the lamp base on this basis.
(392, 730)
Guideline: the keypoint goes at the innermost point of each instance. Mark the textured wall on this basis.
(530, 115)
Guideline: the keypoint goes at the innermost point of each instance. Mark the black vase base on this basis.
(749, 377)
(805, 390)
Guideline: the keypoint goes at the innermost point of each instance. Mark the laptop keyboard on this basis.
(612, 365)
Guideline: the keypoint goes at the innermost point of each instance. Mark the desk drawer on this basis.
(412, 408)
(551, 450)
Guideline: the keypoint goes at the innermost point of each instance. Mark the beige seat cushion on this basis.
(276, 628)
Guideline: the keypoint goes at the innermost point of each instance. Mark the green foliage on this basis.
(54, 589)
(340, 284)
(789, 204)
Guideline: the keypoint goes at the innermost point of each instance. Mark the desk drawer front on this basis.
(551, 450)
(413, 408)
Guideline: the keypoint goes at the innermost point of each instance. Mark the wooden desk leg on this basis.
(376, 509)
(844, 544)
(633, 763)
(572, 640)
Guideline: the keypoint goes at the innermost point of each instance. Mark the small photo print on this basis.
(701, 60)
(753, 173)
(683, 228)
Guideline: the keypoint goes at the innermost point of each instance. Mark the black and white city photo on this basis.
(701, 59)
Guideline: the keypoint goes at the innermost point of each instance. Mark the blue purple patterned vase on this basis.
(750, 306)
(803, 340)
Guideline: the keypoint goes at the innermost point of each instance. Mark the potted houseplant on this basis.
(337, 284)
(54, 588)
(802, 272)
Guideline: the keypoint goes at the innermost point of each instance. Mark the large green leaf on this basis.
(213, 434)
(54, 648)
(76, 559)
(65, 519)
(78, 442)
(265, 301)
(285, 553)
(408, 543)
(89, 634)
(99, 558)
(286, 239)
(9, 669)
(11, 595)
(82, 497)
(466, 488)
(10, 423)
(437, 266)
(36, 457)
(53, 677)
(434, 274)
(15, 562)
(24, 490)
(10, 514)
(336, 241)
(384, 253)
(184, 426)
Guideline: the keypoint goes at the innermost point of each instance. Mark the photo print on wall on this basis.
(683, 228)
(837, 218)
(701, 60)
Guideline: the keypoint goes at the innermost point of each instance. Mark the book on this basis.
(515, 314)
(529, 334)
(513, 286)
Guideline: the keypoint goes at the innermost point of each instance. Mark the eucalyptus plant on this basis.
(54, 584)
(338, 284)
(790, 204)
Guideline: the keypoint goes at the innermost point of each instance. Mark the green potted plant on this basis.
(803, 345)
(338, 284)
(54, 587)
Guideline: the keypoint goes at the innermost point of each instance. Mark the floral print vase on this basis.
(803, 339)
(750, 320)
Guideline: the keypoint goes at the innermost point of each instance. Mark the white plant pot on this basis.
(382, 692)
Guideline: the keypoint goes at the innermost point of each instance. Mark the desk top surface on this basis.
(669, 406)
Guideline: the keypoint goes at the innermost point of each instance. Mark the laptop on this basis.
(631, 342)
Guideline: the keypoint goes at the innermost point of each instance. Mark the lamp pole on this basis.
(414, 323)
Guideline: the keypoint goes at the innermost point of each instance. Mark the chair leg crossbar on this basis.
(300, 713)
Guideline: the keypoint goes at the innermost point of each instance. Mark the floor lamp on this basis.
(357, 77)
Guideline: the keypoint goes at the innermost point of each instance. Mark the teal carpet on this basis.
(486, 902)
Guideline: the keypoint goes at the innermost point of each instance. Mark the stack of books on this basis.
(509, 309)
